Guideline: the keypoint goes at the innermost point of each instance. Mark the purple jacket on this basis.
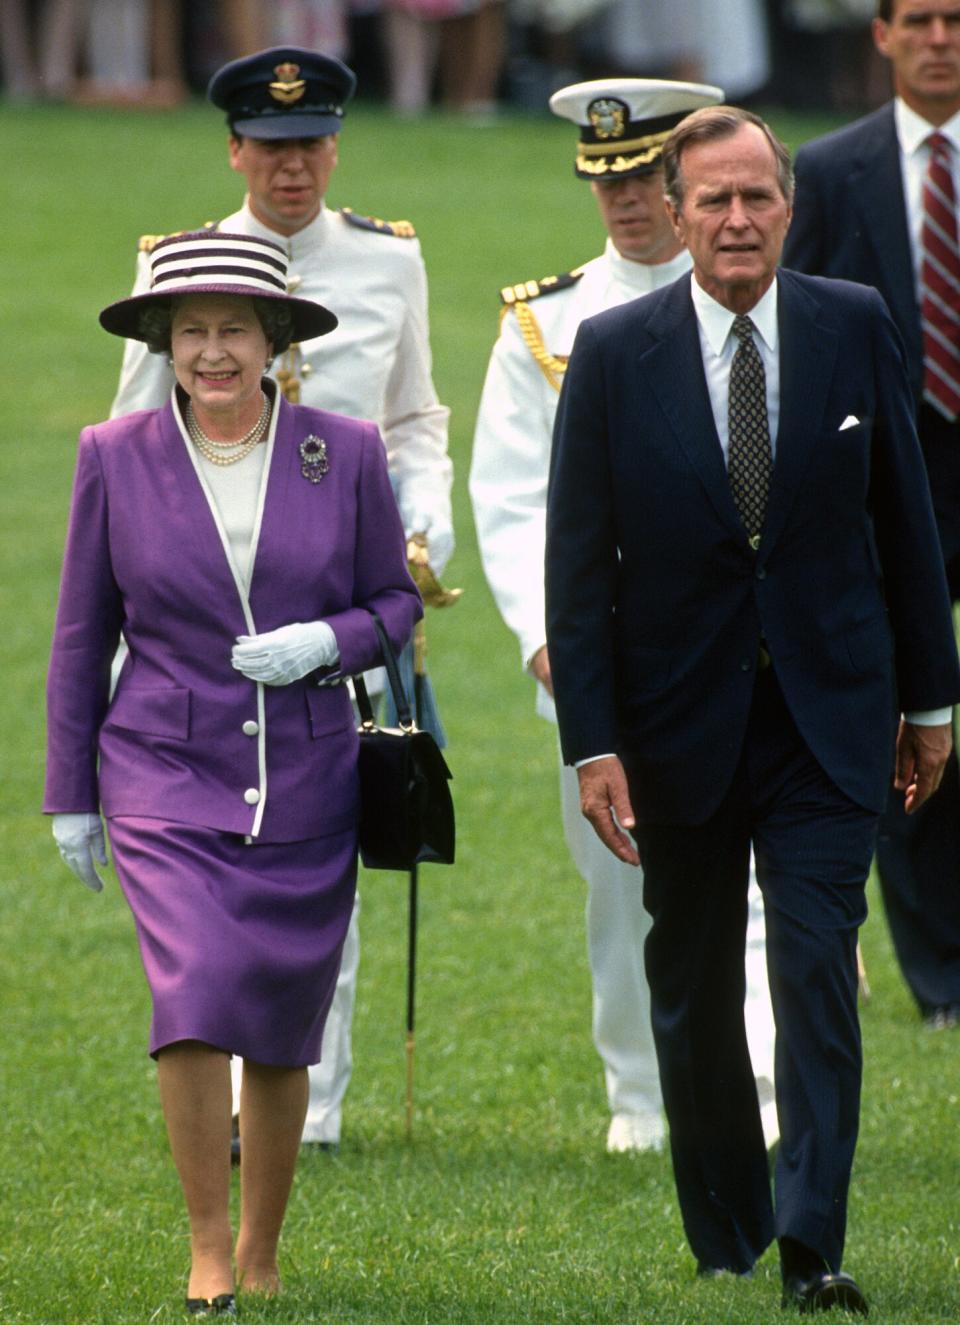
(186, 737)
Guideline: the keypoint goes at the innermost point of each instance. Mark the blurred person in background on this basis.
(723, 44)
(284, 108)
(96, 52)
(824, 55)
(239, 543)
(132, 54)
(623, 124)
(39, 48)
(876, 202)
(464, 41)
(38, 45)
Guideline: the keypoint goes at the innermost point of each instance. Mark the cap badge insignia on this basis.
(314, 459)
(608, 117)
(288, 88)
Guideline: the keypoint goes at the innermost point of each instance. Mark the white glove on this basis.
(439, 535)
(81, 842)
(285, 655)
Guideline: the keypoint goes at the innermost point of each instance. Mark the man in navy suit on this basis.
(859, 215)
(740, 606)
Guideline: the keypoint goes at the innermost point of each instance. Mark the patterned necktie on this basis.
(940, 283)
(750, 458)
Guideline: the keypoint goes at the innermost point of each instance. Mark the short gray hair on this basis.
(276, 319)
(709, 124)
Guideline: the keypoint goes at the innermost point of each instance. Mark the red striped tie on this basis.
(940, 282)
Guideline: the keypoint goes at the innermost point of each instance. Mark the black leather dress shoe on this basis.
(223, 1305)
(822, 1291)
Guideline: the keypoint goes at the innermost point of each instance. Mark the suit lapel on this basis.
(876, 188)
(198, 524)
(300, 518)
(808, 351)
(276, 516)
(674, 367)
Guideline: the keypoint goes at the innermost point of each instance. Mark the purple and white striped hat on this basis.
(211, 262)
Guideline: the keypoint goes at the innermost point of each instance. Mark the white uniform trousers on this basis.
(617, 927)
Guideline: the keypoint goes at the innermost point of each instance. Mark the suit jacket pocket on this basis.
(330, 710)
(163, 712)
(870, 645)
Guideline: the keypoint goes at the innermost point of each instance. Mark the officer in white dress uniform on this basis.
(284, 108)
(623, 124)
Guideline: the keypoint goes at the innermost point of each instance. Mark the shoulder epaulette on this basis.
(147, 243)
(526, 290)
(399, 229)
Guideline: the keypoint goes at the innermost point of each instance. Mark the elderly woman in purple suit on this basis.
(238, 543)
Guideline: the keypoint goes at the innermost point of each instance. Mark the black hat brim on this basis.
(309, 319)
(287, 125)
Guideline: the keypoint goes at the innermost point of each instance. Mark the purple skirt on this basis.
(241, 943)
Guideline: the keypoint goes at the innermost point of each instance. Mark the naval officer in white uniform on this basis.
(284, 107)
(623, 124)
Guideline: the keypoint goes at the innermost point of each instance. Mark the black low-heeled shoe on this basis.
(223, 1305)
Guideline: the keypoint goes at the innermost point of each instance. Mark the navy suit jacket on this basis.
(656, 605)
(850, 220)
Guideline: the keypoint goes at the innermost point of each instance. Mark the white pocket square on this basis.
(850, 421)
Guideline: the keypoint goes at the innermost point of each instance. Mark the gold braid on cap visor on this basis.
(648, 150)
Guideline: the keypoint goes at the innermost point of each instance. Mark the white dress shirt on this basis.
(718, 345)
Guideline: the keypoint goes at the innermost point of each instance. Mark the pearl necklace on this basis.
(227, 453)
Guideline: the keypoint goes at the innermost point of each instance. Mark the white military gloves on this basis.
(81, 842)
(281, 656)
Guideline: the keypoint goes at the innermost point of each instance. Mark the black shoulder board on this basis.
(514, 294)
(399, 229)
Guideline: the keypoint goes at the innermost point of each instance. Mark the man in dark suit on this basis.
(860, 214)
(743, 589)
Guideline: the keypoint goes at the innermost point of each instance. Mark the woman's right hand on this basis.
(81, 842)
(287, 654)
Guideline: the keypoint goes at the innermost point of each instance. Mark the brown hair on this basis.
(709, 124)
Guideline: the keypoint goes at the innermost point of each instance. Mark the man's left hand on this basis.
(922, 753)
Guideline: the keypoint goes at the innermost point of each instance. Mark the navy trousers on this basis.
(918, 855)
(813, 850)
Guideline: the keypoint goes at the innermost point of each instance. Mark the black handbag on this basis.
(406, 810)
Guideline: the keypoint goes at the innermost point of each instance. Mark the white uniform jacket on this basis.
(375, 365)
(511, 445)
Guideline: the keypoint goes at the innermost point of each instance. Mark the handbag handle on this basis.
(400, 701)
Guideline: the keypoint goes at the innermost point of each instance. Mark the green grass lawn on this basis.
(504, 1208)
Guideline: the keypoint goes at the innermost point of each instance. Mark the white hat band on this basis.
(254, 264)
